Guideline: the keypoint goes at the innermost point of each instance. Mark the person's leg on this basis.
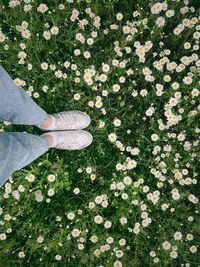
(18, 150)
(16, 105)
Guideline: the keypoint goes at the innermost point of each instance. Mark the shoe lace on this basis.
(62, 141)
(63, 120)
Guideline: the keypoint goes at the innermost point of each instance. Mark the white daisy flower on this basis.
(42, 8)
(26, 34)
(54, 30)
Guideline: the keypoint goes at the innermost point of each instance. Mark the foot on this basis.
(66, 120)
(70, 140)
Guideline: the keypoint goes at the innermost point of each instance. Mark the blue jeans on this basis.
(18, 149)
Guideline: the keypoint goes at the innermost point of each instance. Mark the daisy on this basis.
(98, 219)
(42, 8)
(77, 52)
(40, 239)
(44, 65)
(119, 16)
(131, 164)
(21, 254)
(112, 137)
(119, 253)
(58, 74)
(187, 80)
(189, 237)
(45, 88)
(54, 30)
(26, 34)
(87, 54)
(93, 238)
(77, 96)
(169, 13)
(76, 191)
(173, 254)
(154, 137)
(51, 177)
(51, 192)
(160, 22)
(195, 92)
(67, 64)
(166, 245)
(24, 25)
(107, 224)
(30, 178)
(126, 29)
(116, 87)
(75, 232)
(87, 77)
(58, 257)
(22, 54)
(117, 122)
(105, 67)
(143, 92)
(2, 37)
(178, 236)
(98, 104)
(70, 215)
(122, 79)
(36, 95)
(103, 77)
(156, 8)
(90, 41)
(27, 8)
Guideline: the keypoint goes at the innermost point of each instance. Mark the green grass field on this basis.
(131, 198)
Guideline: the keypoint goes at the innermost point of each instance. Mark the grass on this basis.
(95, 170)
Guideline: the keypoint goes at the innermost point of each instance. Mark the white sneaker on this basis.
(69, 120)
(71, 140)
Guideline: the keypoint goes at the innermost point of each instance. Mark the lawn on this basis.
(131, 198)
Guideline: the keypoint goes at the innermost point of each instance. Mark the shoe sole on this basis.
(80, 148)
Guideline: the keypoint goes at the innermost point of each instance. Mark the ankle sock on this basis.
(53, 124)
(54, 136)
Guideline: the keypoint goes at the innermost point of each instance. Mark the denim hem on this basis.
(46, 142)
(42, 121)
